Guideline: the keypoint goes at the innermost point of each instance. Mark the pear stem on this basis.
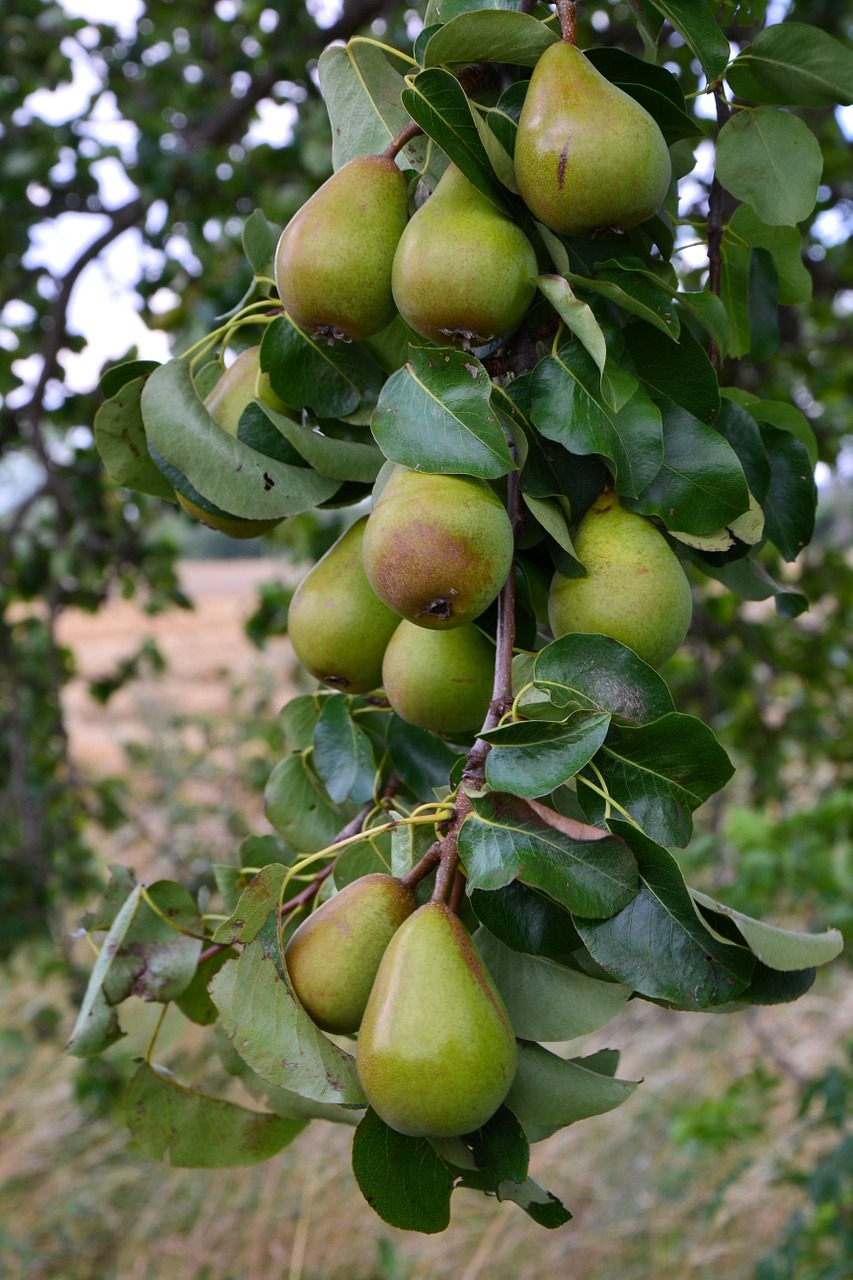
(395, 146)
(568, 20)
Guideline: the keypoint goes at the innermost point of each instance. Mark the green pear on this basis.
(337, 624)
(333, 956)
(436, 1053)
(463, 271)
(225, 403)
(333, 260)
(437, 548)
(439, 680)
(587, 155)
(635, 589)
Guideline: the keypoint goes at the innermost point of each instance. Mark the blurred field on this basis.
(681, 1182)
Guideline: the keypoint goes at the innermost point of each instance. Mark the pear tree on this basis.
(478, 339)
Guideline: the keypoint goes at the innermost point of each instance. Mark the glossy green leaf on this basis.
(660, 773)
(657, 943)
(435, 414)
(490, 35)
(701, 485)
(554, 1091)
(771, 160)
(567, 406)
(260, 238)
(696, 21)
(506, 839)
(791, 500)
(778, 413)
(422, 760)
(194, 1001)
(271, 1031)
(598, 672)
(261, 896)
(196, 1130)
(546, 1000)
(403, 1179)
(655, 88)
(783, 243)
(526, 920)
(635, 292)
(362, 92)
(343, 754)
(795, 64)
(750, 580)
(785, 949)
(532, 758)
(328, 456)
(616, 384)
(298, 807)
(679, 372)
(330, 378)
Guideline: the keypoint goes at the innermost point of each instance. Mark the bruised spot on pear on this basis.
(635, 589)
(338, 626)
(436, 1054)
(437, 548)
(439, 680)
(333, 956)
(333, 260)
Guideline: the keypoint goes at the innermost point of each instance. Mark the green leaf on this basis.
(120, 374)
(617, 385)
(763, 299)
(655, 88)
(197, 1131)
(403, 1179)
(771, 160)
(785, 244)
(438, 103)
(785, 949)
(777, 413)
(791, 500)
(435, 414)
(297, 805)
(532, 758)
(120, 437)
(270, 1030)
(701, 485)
(598, 672)
(220, 467)
(194, 1001)
(261, 896)
(422, 760)
(553, 1091)
(540, 1205)
(545, 1000)
(502, 119)
(526, 920)
(260, 238)
(636, 292)
(362, 93)
(501, 1151)
(508, 839)
(679, 372)
(751, 581)
(343, 754)
(147, 952)
(330, 378)
(660, 773)
(490, 35)
(657, 943)
(282, 1102)
(337, 459)
(695, 20)
(550, 514)
(567, 406)
(795, 64)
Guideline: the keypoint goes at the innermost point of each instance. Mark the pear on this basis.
(635, 589)
(225, 403)
(337, 624)
(333, 260)
(463, 270)
(437, 548)
(587, 155)
(436, 1053)
(333, 956)
(439, 680)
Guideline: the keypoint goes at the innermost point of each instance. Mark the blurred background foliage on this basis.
(132, 147)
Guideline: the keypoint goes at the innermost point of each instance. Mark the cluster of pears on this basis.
(392, 604)
(588, 157)
(436, 1054)
(635, 589)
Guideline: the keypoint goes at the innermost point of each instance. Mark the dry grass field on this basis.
(682, 1182)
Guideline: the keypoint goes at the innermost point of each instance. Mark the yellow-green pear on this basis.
(587, 155)
(333, 956)
(337, 625)
(463, 271)
(436, 1053)
(439, 680)
(437, 549)
(333, 260)
(225, 403)
(635, 589)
